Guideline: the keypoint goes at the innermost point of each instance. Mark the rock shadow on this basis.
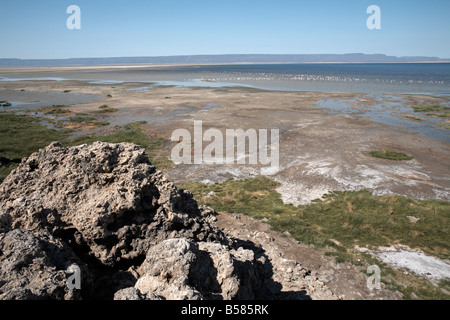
(263, 284)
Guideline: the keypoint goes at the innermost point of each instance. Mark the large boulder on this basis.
(180, 269)
(107, 197)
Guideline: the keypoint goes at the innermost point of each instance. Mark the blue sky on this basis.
(37, 29)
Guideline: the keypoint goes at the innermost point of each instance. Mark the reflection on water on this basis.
(21, 100)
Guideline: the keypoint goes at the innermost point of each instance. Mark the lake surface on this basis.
(425, 78)
(22, 100)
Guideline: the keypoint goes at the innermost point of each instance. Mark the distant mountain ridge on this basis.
(225, 58)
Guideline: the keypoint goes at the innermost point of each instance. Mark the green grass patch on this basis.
(390, 155)
(105, 109)
(131, 133)
(413, 117)
(430, 108)
(21, 135)
(101, 123)
(55, 109)
(81, 119)
(444, 125)
(439, 115)
(5, 104)
(436, 111)
(255, 197)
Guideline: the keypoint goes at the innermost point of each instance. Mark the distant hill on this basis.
(227, 58)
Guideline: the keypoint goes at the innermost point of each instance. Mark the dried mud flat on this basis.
(319, 152)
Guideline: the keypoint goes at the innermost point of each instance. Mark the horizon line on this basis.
(221, 59)
(232, 54)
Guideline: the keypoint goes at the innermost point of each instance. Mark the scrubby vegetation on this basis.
(55, 110)
(342, 220)
(21, 135)
(390, 155)
(5, 104)
(433, 110)
(105, 109)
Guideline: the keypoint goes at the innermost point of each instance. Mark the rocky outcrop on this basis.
(186, 270)
(106, 197)
(131, 232)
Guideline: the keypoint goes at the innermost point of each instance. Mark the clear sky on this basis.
(37, 28)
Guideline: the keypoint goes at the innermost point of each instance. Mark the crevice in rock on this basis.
(125, 264)
(203, 276)
(130, 218)
(33, 166)
(106, 279)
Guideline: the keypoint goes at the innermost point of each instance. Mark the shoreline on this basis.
(149, 65)
(192, 75)
(210, 84)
